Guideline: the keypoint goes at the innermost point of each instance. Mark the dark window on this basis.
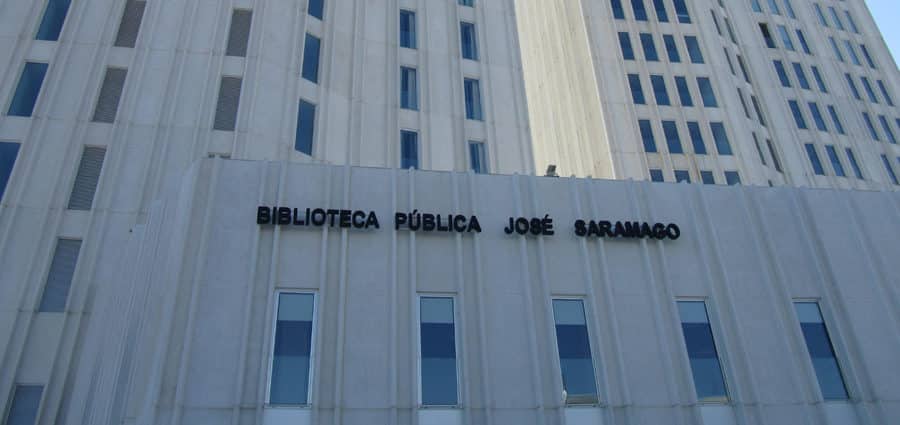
(835, 161)
(798, 114)
(409, 149)
(707, 93)
(26, 401)
(821, 352)
(239, 33)
(707, 177)
(573, 344)
(720, 136)
(649, 47)
(27, 89)
(110, 95)
(681, 11)
(671, 48)
(438, 349)
(693, 47)
(684, 92)
(637, 90)
(227, 104)
(472, 90)
(625, 44)
(659, 90)
(647, 135)
(52, 22)
(306, 124)
(640, 13)
(814, 159)
(673, 141)
(87, 177)
(409, 88)
(59, 278)
(732, 178)
(468, 41)
(293, 349)
(310, 71)
(8, 153)
(656, 175)
(696, 138)
(316, 8)
(130, 24)
(701, 349)
(618, 11)
(661, 14)
(408, 29)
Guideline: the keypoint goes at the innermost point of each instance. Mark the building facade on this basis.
(139, 138)
(761, 92)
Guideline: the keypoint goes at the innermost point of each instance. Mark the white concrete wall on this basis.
(184, 336)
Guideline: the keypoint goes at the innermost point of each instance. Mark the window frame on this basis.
(716, 335)
(588, 320)
(456, 343)
(313, 355)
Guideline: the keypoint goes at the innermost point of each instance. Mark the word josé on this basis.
(416, 221)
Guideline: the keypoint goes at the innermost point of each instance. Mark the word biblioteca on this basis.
(428, 222)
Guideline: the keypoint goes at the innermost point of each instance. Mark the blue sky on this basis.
(886, 13)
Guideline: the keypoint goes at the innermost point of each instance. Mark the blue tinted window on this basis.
(814, 159)
(755, 5)
(869, 91)
(693, 47)
(868, 57)
(640, 13)
(647, 135)
(472, 90)
(8, 153)
(772, 152)
(671, 48)
(306, 122)
(659, 90)
(819, 80)
(681, 11)
(803, 42)
(767, 36)
(661, 14)
(853, 164)
(316, 8)
(886, 126)
(684, 93)
(637, 91)
(820, 15)
(311, 59)
(890, 171)
(478, 158)
(732, 178)
(707, 93)
(293, 348)
(790, 9)
(798, 115)
(656, 175)
(871, 126)
(773, 7)
(821, 352)
(721, 138)
(649, 47)
(409, 88)
(408, 29)
(26, 401)
(851, 22)
(782, 75)
(28, 89)
(801, 76)
(884, 92)
(438, 349)
(618, 11)
(785, 38)
(701, 348)
(836, 49)
(696, 138)
(835, 161)
(469, 3)
(673, 141)
(707, 177)
(409, 149)
(574, 347)
(625, 44)
(852, 86)
(682, 176)
(468, 41)
(835, 119)
(853, 56)
(52, 22)
(817, 116)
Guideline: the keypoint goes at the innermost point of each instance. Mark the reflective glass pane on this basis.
(438, 345)
(25, 403)
(818, 343)
(293, 347)
(701, 347)
(27, 90)
(8, 153)
(53, 19)
(574, 351)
